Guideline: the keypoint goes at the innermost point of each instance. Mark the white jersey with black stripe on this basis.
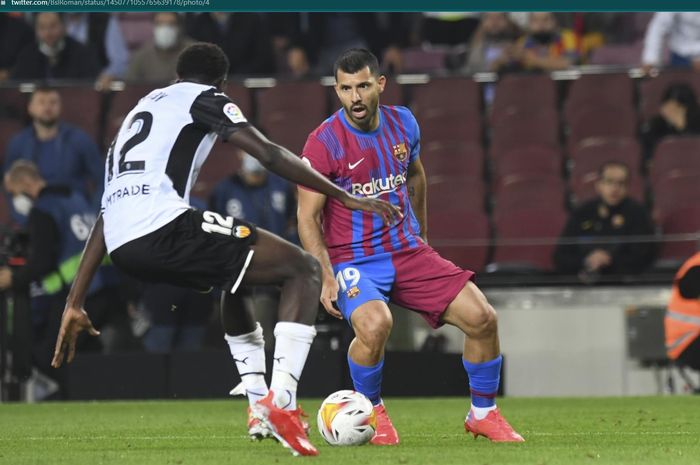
(154, 160)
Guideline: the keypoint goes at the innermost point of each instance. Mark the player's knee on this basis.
(484, 320)
(373, 329)
(309, 268)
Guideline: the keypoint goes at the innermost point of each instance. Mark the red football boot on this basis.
(284, 425)
(493, 427)
(386, 434)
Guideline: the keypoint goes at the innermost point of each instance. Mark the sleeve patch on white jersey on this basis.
(234, 113)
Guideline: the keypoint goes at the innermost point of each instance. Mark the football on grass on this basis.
(346, 418)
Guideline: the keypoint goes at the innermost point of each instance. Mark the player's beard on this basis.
(363, 122)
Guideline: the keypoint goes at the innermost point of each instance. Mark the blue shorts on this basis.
(418, 279)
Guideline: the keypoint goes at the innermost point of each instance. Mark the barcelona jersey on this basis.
(366, 164)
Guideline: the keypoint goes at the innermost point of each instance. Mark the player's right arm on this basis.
(284, 163)
(75, 319)
(310, 206)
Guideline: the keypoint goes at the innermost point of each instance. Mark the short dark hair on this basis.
(204, 62)
(682, 93)
(43, 88)
(354, 60)
(611, 163)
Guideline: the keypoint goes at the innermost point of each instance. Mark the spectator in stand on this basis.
(679, 114)
(267, 200)
(314, 40)
(14, 34)
(101, 33)
(496, 34)
(156, 61)
(545, 47)
(64, 153)
(244, 37)
(611, 214)
(681, 31)
(54, 55)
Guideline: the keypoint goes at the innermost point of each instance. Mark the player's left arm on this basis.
(416, 185)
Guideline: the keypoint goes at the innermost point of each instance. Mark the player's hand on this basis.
(329, 296)
(74, 321)
(390, 214)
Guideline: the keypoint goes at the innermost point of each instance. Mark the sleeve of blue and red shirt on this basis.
(316, 153)
(414, 137)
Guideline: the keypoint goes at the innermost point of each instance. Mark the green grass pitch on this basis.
(649, 430)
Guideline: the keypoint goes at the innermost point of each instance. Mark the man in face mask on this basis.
(492, 43)
(156, 61)
(54, 55)
(63, 153)
(546, 47)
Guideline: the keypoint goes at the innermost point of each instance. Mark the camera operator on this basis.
(59, 221)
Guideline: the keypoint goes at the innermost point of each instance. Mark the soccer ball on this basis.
(346, 418)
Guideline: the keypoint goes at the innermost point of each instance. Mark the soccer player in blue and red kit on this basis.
(372, 150)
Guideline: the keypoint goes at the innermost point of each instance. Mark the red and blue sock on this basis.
(483, 381)
(367, 380)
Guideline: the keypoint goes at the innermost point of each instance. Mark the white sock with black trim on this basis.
(248, 352)
(292, 344)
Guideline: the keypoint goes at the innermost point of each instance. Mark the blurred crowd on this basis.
(144, 46)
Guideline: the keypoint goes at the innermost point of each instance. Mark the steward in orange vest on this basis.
(682, 321)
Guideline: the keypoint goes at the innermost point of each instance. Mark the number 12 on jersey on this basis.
(143, 121)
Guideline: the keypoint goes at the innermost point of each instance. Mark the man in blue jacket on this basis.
(63, 153)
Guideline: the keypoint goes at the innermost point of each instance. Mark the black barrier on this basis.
(212, 374)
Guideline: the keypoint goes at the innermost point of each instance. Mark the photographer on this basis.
(59, 221)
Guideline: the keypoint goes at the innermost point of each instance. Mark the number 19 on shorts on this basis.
(347, 278)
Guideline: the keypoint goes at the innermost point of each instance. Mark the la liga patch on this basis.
(234, 113)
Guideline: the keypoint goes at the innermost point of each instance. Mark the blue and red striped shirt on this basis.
(367, 164)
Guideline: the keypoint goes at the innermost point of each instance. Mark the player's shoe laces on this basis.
(386, 434)
(284, 425)
(493, 427)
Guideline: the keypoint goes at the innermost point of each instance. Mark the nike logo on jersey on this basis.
(352, 166)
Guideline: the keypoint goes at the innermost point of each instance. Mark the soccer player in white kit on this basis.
(150, 231)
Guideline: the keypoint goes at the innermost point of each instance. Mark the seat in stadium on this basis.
(602, 121)
(529, 191)
(452, 159)
(450, 129)
(447, 96)
(601, 149)
(526, 91)
(419, 60)
(531, 161)
(675, 192)
(676, 156)
(604, 89)
(455, 193)
(532, 233)
(82, 107)
(651, 90)
(222, 162)
(13, 103)
(289, 111)
(392, 95)
(523, 130)
(682, 220)
(460, 236)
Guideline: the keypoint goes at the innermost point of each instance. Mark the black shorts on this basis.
(197, 249)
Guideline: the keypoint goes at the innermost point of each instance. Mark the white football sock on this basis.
(292, 344)
(248, 352)
(481, 412)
